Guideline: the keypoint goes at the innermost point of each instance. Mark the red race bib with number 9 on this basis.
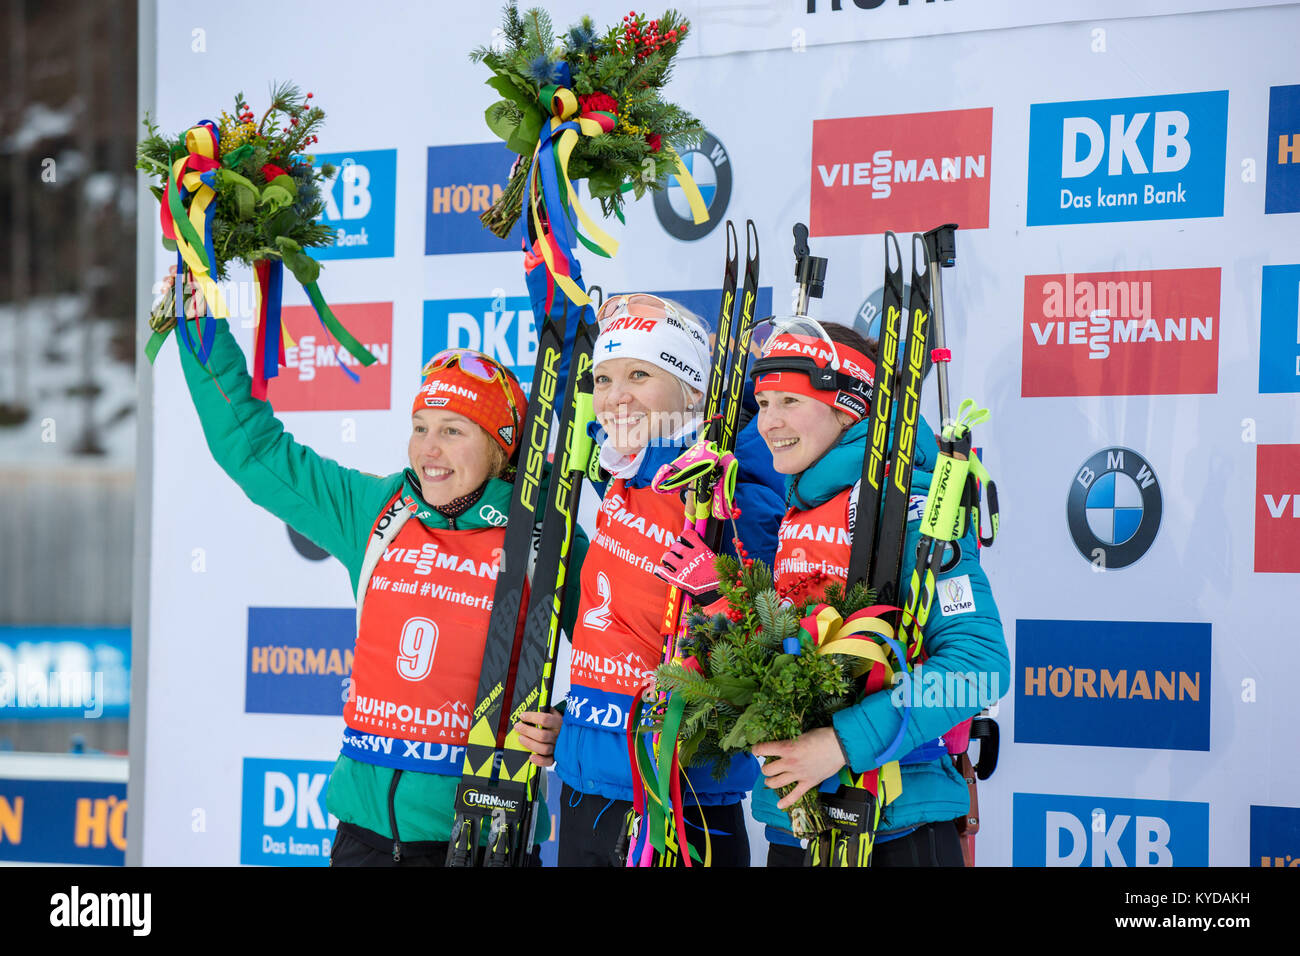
(423, 627)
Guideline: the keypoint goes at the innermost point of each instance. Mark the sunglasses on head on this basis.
(643, 305)
(477, 365)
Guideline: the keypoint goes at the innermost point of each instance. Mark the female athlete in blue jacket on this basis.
(820, 446)
(651, 360)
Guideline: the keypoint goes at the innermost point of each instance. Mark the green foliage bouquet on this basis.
(607, 87)
(771, 668)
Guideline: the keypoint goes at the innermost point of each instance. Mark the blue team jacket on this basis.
(965, 642)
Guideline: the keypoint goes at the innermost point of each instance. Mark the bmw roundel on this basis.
(1114, 507)
(710, 167)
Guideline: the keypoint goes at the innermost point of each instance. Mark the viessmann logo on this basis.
(1277, 508)
(311, 378)
(903, 172)
(1121, 333)
(1123, 160)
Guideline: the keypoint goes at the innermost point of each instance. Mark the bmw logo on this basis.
(867, 321)
(1114, 508)
(710, 167)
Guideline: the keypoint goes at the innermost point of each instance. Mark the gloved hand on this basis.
(689, 564)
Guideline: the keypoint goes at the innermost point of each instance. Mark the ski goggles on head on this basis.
(642, 305)
(474, 363)
(799, 357)
(479, 366)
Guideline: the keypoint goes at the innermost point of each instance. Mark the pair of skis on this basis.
(499, 787)
(880, 526)
(656, 833)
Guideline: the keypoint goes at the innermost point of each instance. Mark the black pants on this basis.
(357, 846)
(591, 825)
(935, 844)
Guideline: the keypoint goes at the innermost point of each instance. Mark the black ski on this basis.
(887, 568)
(496, 783)
(871, 492)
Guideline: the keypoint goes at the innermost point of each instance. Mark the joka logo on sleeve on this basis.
(283, 817)
(1124, 160)
(311, 379)
(904, 172)
(1279, 329)
(299, 660)
(1275, 836)
(500, 328)
(1049, 829)
(1121, 333)
(463, 183)
(1282, 190)
(361, 203)
(1277, 508)
(1113, 684)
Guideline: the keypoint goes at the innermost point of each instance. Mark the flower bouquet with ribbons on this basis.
(771, 669)
(240, 189)
(584, 105)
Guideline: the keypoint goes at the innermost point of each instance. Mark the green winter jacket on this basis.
(336, 507)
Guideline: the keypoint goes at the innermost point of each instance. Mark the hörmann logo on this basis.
(1121, 333)
(1282, 189)
(462, 183)
(903, 172)
(1114, 508)
(1113, 684)
(831, 5)
(1123, 160)
(1275, 836)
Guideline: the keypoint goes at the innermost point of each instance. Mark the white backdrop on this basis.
(396, 78)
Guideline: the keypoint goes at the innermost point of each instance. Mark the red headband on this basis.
(855, 378)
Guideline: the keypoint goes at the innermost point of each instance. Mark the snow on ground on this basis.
(54, 363)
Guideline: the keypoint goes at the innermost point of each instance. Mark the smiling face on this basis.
(797, 429)
(451, 455)
(636, 402)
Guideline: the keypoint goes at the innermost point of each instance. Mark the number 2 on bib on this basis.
(598, 617)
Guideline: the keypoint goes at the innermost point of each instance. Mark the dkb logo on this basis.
(360, 203)
(1124, 160)
(1063, 830)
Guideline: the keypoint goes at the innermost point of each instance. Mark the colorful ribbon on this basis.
(549, 168)
(186, 213)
